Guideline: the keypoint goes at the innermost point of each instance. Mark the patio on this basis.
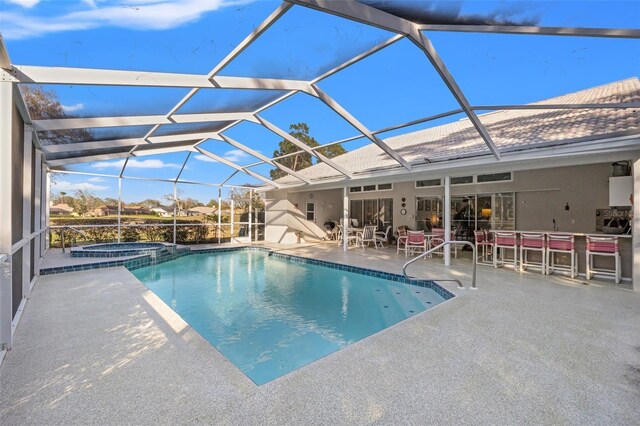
(559, 350)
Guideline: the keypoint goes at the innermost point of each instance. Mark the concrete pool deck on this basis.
(98, 347)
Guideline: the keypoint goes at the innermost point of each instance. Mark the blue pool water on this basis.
(270, 316)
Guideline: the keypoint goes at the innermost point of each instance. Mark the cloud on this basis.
(201, 157)
(132, 14)
(72, 108)
(64, 185)
(96, 179)
(25, 3)
(136, 164)
(234, 155)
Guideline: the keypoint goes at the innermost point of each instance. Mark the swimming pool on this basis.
(270, 315)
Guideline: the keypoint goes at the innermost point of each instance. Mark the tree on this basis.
(301, 160)
(44, 105)
(149, 203)
(84, 201)
(62, 198)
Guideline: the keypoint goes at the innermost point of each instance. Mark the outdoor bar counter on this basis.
(624, 241)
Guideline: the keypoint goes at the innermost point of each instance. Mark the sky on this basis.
(395, 85)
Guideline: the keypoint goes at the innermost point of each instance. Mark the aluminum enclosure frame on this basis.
(352, 10)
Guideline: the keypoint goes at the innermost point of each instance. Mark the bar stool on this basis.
(603, 246)
(485, 247)
(505, 240)
(533, 241)
(561, 243)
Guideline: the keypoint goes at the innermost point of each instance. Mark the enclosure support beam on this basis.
(137, 120)
(270, 20)
(263, 157)
(219, 213)
(345, 218)
(27, 199)
(369, 15)
(6, 179)
(119, 207)
(37, 209)
(278, 131)
(250, 211)
(175, 209)
(342, 112)
(636, 226)
(535, 30)
(235, 166)
(231, 239)
(447, 220)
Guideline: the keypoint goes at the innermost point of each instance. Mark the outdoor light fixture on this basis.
(566, 207)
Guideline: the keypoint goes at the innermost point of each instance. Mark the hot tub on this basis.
(122, 249)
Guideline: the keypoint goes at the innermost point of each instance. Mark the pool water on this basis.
(270, 316)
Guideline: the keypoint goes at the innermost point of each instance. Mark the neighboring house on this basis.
(201, 211)
(134, 209)
(163, 211)
(60, 209)
(103, 210)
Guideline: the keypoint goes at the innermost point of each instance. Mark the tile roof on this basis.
(511, 130)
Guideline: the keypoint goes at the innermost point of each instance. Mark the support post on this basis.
(6, 178)
(345, 218)
(119, 208)
(447, 220)
(636, 226)
(250, 211)
(37, 210)
(175, 210)
(219, 213)
(27, 199)
(232, 221)
(44, 208)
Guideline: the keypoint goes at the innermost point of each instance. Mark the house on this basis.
(135, 209)
(61, 209)
(163, 211)
(104, 210)
(201, 211)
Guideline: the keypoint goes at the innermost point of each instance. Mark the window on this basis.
(494, 177)
(461, 180)
(370, 188)
(311, 210)
(428, 182)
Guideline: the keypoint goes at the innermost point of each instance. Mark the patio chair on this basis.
(608, 246)
(402, 238)
(354, 223)
(563, 244)
(368, 235)
(351, 239)
(485, 247)
(383, 236)
(505, 240)
(416, 242)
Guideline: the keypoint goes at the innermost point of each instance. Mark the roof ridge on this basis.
(588, 89)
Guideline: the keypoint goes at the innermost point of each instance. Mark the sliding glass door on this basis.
(378, 211)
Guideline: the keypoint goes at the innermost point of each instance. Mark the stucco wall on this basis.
(541, 195)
